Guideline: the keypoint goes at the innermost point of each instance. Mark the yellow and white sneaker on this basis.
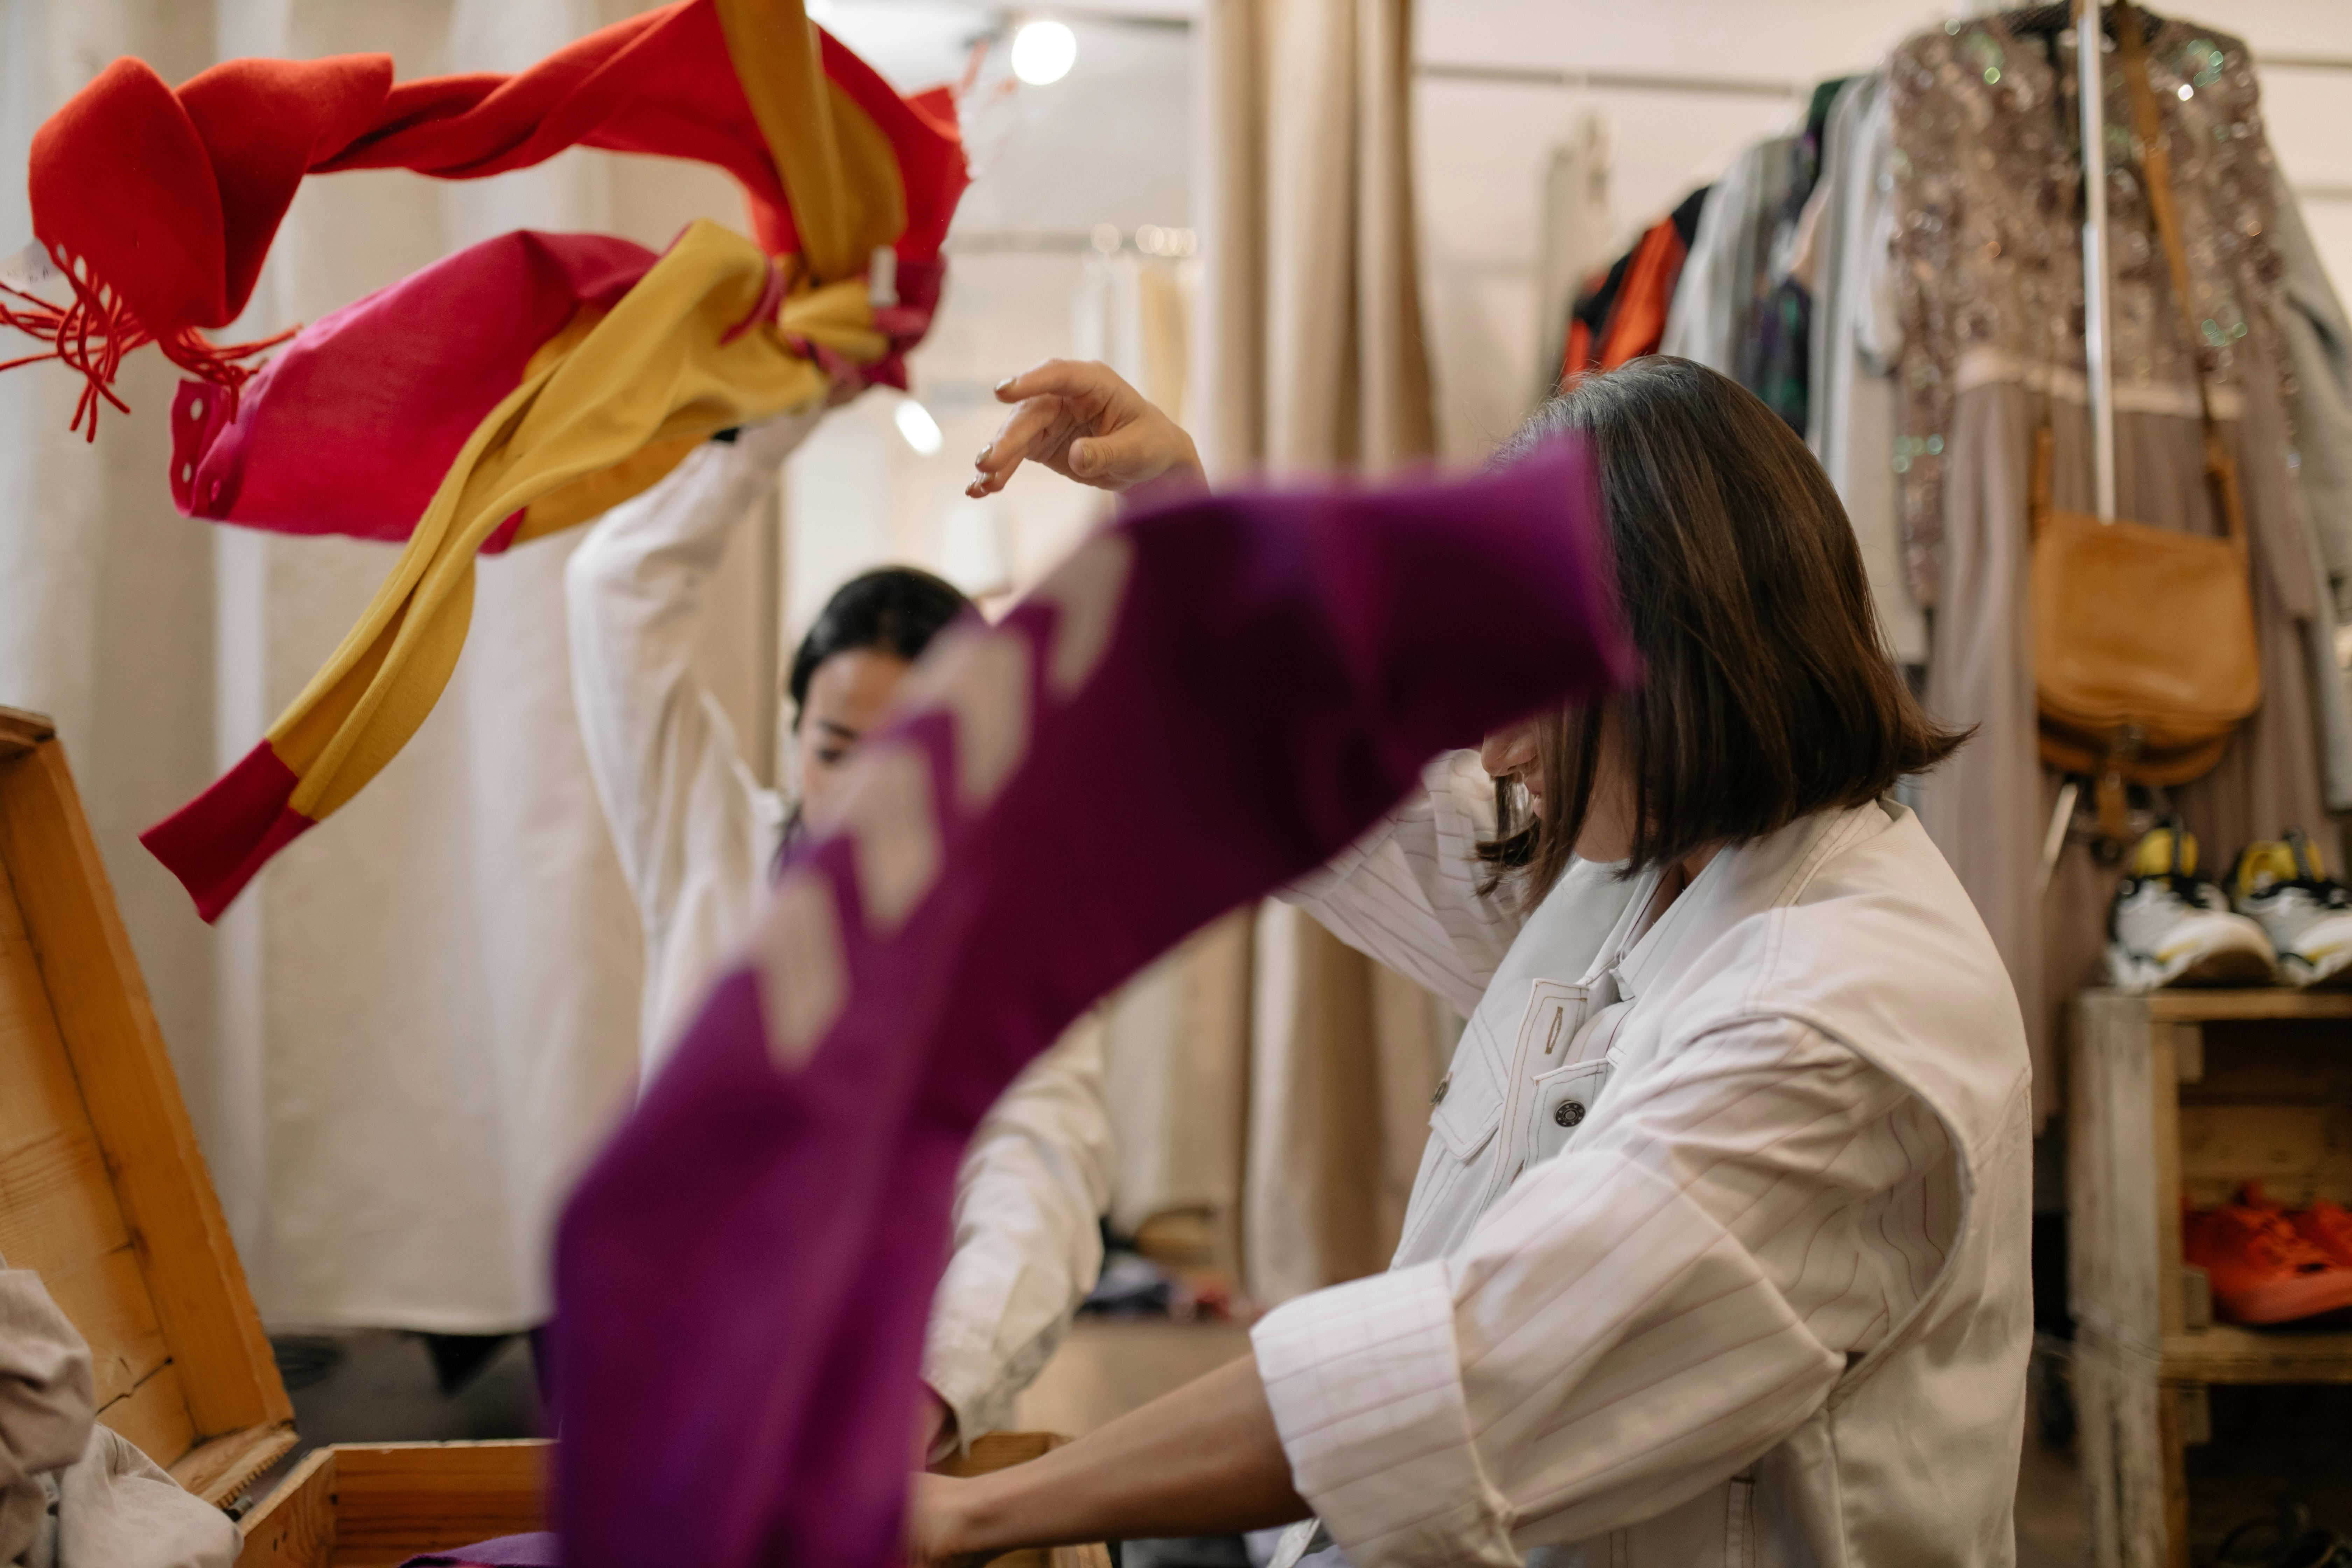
(2283, 885)
(2168, 926)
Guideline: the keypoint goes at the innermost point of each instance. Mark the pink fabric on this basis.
(350, 427)
(1205, 703)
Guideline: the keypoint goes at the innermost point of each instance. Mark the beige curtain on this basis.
(400, 1042)
(1314, 362)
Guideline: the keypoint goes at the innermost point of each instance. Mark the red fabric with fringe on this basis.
(160, 205)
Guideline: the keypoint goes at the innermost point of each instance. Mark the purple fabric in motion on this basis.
(350, 427)
(537, 1551)
(1199, 706)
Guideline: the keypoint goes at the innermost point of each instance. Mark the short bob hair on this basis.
(1766, 692)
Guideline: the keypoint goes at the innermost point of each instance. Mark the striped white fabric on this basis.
(1587, 1327)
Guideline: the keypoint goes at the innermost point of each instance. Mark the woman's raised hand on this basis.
(1079, 419)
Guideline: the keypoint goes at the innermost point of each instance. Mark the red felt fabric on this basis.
(170, 199)
(217, 841)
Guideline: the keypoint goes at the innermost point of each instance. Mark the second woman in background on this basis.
(697, 832)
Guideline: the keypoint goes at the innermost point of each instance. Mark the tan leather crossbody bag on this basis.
(2145, 654)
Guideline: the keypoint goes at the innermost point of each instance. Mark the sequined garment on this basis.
(1989, 245)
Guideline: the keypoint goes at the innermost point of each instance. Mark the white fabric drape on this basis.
(1314, 361)
(101, 584)
(402, 1040)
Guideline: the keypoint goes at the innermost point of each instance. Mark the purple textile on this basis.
(536, 1551)
(1198, 707)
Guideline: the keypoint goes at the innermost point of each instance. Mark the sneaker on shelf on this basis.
(2282, 884)
(2168, 926)
(2263, 1269)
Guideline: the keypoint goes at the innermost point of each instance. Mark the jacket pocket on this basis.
(1561, 1101)
(1468, 1103)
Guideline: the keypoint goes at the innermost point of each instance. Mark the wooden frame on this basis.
(104, 1193)
(374, 1505)
(2185, 1093)
(102, 1190)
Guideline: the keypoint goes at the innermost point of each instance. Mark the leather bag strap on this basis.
(2156, 168)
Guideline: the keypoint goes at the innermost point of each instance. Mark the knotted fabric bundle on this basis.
(522, 385)
(594, 420)
(159, 205)
(1198, 706)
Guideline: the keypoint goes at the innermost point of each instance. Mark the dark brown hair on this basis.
(1766, 692)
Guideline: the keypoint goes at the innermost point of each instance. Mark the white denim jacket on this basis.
(697, 832)
(1718, 1249)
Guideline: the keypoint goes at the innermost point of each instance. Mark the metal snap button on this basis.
(1567, 1112)
(1443, 1085)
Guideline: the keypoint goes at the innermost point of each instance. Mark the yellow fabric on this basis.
(604, 411)
(840, 173)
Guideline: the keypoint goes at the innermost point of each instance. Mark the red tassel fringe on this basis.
(93, 334)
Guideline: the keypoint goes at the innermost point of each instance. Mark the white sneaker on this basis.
(2169, 926)
(2283, 885)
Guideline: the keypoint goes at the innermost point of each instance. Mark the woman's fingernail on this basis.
(1004, 386)
(1081, 457)
(981, 461)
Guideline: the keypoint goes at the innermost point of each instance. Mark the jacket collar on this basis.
(1743, 879)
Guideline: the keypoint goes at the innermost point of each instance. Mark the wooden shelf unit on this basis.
(2186, 1094)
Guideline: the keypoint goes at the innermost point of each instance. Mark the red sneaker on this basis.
(2262, 1269)
(2327, 1227)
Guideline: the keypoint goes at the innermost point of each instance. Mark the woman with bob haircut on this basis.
(1718, 1253)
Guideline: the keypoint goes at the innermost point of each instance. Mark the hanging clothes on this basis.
(1774, 361)
(1855, 333)
(1623, 315)
(1714, 300)
(1990, 287)
(1573, 237)
(2318, 338)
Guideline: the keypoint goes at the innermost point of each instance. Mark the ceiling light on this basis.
(1044, 52)
(916, 424)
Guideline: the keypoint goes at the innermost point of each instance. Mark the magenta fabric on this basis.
(351, 427)
(535, 1550)
(743, 1275)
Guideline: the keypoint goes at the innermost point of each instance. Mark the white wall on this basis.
(1109, 143)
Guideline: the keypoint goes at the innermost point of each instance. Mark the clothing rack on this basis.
(2098, 372)
(1624, 81)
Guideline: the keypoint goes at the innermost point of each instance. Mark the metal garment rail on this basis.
(2099, 373)
(1623, 81)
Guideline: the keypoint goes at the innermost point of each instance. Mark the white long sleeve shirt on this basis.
(697, 832)
(1717, 1252)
